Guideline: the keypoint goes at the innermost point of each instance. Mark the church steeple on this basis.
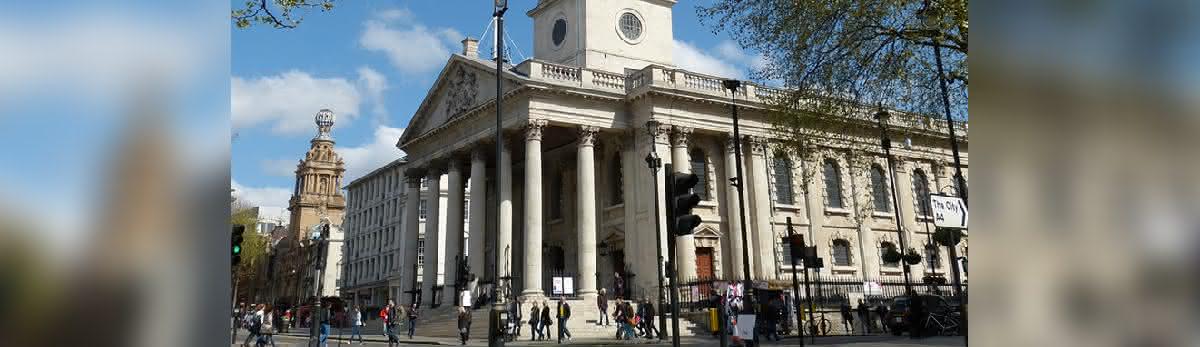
(318, 194)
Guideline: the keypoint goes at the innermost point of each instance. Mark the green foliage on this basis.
(254, 244)
(280, 14)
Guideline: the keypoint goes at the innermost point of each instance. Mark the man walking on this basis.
(847, 318)
(412, 320)
(602, 304)
(356, 323)
(514, 314)
(535, 328)
(564, 313)
(648, 319)
(864, 316)
(464, 324)
(391, 320)
(322, 318)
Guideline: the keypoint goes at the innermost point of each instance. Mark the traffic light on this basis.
(236, 244)
(680, 203)
(796, 241)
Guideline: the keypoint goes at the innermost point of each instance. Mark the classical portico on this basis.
(574, 197)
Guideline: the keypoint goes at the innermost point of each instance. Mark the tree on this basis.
(839, 59)
(282, 17)
(255, 245)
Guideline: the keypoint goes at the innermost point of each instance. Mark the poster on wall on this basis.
(557, 287)
(568, 286)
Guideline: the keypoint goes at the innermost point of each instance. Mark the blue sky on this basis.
(372, 62)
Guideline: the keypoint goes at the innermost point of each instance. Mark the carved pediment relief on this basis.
(461, 90)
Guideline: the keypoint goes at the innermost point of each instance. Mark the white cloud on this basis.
(689, 57)
(373, 84)
(371, 155)
(279, 167)
(261, 196)
(411, 47)
(289, 100)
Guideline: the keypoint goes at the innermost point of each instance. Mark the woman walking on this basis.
(266, 331)
(464, 324)
(356, 323)
(535, 318)
(546, 320)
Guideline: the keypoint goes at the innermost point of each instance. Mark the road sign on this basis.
(948, 212)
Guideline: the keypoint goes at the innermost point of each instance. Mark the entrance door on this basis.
(704, 268)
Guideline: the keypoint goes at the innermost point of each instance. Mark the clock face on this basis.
(559, 33)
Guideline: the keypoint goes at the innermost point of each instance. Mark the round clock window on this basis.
(559, 33)
(630, 25)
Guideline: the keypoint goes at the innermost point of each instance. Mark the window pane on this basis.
(700, 168)
(932, 260)
(921, 192)
(841, 252)
(783, 180)
(618, 187)
(879, 184)
(833, 185)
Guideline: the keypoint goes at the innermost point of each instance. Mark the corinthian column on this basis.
(454, 229)
(478, 213)
(733, 214)
(412, 227)
(504, 217)
(764, 235)
(586, 210)
(433, 237)
(685, 247)
(533, 209)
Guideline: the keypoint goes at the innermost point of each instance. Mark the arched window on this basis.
(883, 249)
(932, 259)
(879, 189)
(617, 193)
(841, 252)
(783, 179)
(921, 192)
(700, 168)
(833, 185)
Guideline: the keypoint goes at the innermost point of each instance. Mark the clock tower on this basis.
(609, 35)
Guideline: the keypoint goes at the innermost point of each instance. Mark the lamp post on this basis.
(748, 287)
(654, 162)
(882, 117)
(495, 338)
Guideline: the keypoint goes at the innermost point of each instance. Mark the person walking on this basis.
(639, 319)
(322, 317)
(619, 317)
(864, 316)
(356, 323)
(648, 319)
(535, 328)
(564, 314)
(514, 314)
(412, 320)
(882, 312)
(847, 318)
(390, 315)
(618, 286)
(266, 329)
(772, 320)
(464, 324)
(545, 320)
(253, 322)
(602, 304)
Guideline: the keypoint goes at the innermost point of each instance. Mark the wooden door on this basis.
(704, 268)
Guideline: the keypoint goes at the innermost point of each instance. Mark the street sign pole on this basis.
(795, 283)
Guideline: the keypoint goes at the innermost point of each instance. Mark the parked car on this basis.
(898, 312)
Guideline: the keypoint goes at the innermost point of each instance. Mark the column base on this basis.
(589, 296)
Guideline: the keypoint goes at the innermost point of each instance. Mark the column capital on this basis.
(435, 168)
(680, 136)
(660, 132)
(758, 144)
(587, 135)
(534, 129)
(414, 173)
(479, 152)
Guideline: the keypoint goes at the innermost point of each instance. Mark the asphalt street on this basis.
(855, 341)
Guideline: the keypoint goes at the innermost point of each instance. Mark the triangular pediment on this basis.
(463, 85)
(707, 231)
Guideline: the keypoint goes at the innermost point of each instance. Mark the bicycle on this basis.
(824, 326)
(945, 323)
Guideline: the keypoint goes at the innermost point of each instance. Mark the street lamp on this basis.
(747, 286)
(654, 162)
(495, 338)
(882, 117)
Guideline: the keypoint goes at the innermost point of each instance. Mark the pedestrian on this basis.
(564, 314)
(618, 285)
(266, 330)
(391, 319)
(648, 319)
(322, 317)
(628, 314)
(535, 329)
(356, 323)
(847, 318)
(772, 323)
(514, 314)
(545, 320)
(916, 316)
(602, 304)
(882, 312)
(253, 322)
(464, 324)
(864, 316)
(412, 320)
(639, 319)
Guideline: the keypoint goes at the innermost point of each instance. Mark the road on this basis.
(854, 341)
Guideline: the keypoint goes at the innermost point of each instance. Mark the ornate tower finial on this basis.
(324, 120)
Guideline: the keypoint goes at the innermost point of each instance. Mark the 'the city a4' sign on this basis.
(948, 211)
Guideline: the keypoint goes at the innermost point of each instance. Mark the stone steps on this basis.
(443, 322)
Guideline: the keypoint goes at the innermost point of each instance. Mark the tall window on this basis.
(879, 189)
(783, 179)
(786, 254)
(932, 260)
(833, 184)
(422, 208)
(921, 191)
(556, 197)
(883, 249)
(841, 252)
(617, 195)
(421, 252)
(700, 168)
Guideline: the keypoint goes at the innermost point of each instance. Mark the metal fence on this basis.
(834, 305)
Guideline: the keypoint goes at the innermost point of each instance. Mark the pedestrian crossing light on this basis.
(681, 202)
(236, 243)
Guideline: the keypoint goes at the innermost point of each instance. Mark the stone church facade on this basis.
(575, 195)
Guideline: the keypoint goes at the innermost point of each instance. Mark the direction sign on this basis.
(948, 212)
